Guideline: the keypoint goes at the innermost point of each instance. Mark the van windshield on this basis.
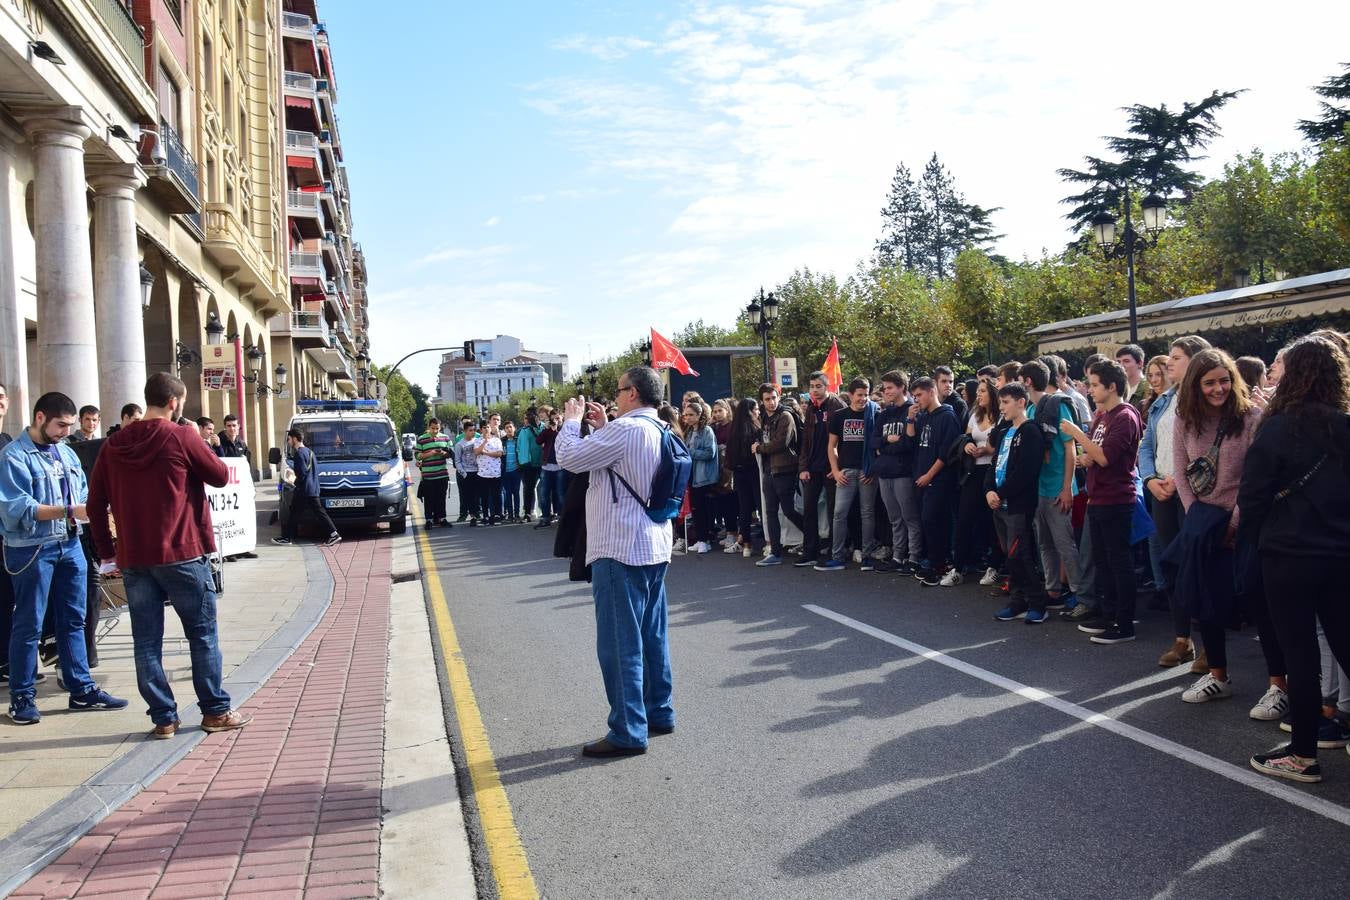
(345, 439)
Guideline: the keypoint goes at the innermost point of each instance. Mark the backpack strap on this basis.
(614, 473)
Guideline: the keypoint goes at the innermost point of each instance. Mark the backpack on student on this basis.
(669, 482)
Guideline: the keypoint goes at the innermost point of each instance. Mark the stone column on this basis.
(117, 288)
(67, 357)
(13, 339)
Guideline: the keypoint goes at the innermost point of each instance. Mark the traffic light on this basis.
(468, 352)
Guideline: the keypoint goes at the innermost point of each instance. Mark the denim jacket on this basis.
(29, 479)
(703, 451)
(1148, 447)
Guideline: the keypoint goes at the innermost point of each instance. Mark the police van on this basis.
(363, 469)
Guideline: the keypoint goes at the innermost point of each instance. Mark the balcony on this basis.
(231, 246)
(128, 35)
(332, 256)
(303, 208)
(306, 329)
(306, 265)
(299, 84)
(344, 333)
(294, 25)
(302, 143)
(172, 173)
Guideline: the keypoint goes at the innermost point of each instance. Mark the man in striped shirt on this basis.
(433, 449)
(628, 554)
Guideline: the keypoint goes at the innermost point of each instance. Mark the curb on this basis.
(24, 853)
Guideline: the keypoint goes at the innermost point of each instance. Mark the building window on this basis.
(243, 127)
(225, 98)
(212, 192)
(208, 68)
(169, 99)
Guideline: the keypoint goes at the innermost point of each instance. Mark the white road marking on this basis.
(1243, 776)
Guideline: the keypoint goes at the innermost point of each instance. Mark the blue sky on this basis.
(574, 172)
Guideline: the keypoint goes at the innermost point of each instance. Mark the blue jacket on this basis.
(869, 433)
(29, 478)
(1148, 447)
(703, 451)
(306, 469)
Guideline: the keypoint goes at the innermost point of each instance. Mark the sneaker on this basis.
(1113, 635)
(1010, 614)
(1333, 733)
(701, 547)
(882, 553)
(281, 541)
(1201, 664)
(225, 721)
(1079, 613)
(1273, 704)
(333, 540)
(1060, 602)
(932, 579)
(473, 523)
(542, 523)
(1282, 763)
(804, 563)
(857, 556)
(745, 551)
(732, 548)
(1037, 617)
(165, 732)
(1287, 723)
(96, 699)
(951, 579)
(727, 540)
(867, 564)
(920, 573)
(831, 565)
(23, 711)
(767, 551)
(908, 567)
(1182, 650)
(678, 546)
(1208, 688)
(887, 565)
(1071, 602)
(1094, 625)
(773, 559)
(990, 577)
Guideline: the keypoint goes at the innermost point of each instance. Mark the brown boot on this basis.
(1182, 650)
(1201, 664)
(227, 721)
(165, 732)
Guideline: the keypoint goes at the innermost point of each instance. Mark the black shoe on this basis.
(1095, 625)
(804, 563)
(886, 565)
(657, 729)
(933, 578)
(1112, 635)
(908, 567)
(921, 574)
(603, 749)
(473, 523)
(867, 565)
(446, 523)
(543, 523)
(462, 518)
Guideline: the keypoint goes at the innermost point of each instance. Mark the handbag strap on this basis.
(1297, 485)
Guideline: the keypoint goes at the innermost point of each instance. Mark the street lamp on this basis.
(264, 388)
(592, 376)
(254, 356)
(762, 312)
(215, 332)
(646, 348)
(147, 283)
(1130, 242)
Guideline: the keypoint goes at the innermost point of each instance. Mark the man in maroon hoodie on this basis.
(151, 476)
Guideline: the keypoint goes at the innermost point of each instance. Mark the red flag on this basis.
(834, 376)
(666, 355)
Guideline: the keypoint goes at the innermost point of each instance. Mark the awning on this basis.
(305, 282)
(301, 162)
(1272, 303)
(300, 102)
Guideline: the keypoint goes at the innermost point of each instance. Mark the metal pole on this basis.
(1129, 268)
(764, 334)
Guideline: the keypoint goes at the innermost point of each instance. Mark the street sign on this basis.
(785, 371)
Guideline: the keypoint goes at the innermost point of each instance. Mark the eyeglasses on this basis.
(626, 387)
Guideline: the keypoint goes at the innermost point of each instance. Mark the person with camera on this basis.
(42, 501)
(151, 477)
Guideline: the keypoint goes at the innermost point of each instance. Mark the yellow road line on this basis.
(510, 868)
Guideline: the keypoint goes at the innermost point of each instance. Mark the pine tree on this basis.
(1332, 125)
(905, 223)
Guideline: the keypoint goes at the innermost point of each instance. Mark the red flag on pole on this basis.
(666, 355)
(834, 376)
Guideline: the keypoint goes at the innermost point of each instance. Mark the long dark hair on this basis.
(744, 432)
(1315, 389)
(988, 412)
(1193, 408)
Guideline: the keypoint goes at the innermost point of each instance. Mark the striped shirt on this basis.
(432, 453)
(617, 526)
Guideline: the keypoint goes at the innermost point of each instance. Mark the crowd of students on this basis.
(1192, 478)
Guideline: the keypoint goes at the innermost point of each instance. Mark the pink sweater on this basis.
(1188, 445)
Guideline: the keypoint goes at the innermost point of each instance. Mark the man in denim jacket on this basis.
(42, 498)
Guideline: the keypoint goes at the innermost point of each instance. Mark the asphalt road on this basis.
(812, 759)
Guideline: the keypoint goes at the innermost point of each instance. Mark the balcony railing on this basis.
(300, 81)
(306, 265)
(304, 201)
(297, 22)
(128, 34)
(179, 161)
(301, 140)
(310, 324)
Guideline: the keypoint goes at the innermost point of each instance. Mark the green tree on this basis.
(905, 223)
(399, 399)
(1332, 125)
(417, 422)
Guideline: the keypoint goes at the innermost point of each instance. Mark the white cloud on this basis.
(480, 255)
(493, 222)
(607, 48)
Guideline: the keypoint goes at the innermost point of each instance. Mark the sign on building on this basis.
(218, 369)
(785, 371)
(234, 510)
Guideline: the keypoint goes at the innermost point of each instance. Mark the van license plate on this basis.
(344, 503)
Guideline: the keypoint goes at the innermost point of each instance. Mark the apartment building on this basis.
(504, 349)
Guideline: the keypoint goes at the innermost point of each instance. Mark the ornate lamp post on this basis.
(1130, 242)
(762, 312)
(592, 376)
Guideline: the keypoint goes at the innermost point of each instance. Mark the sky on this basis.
(574, 172)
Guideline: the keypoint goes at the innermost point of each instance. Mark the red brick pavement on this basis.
(288, 805)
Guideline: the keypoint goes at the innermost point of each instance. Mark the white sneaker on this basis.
(990, 577)
(1272, 705)
(951, 579)
(745, 551)
(857, 556)
(678, 546)
(732, 548)
(728, 541)
(1208, 688)
(701, 547)
(768, 550)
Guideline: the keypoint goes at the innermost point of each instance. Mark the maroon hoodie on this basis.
(150, 475)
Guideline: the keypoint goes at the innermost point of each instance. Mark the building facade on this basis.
(452, 383)
(494, 383)
(144, 205)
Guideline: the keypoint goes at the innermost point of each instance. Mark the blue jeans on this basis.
(630, 640)
(54, 572)
(189, 587)
(552, 488)
(511, 493)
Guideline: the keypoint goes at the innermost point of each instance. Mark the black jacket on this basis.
(570, 540)
(1312, 520)
(934, 433)
(893, 459)
(1023, 474)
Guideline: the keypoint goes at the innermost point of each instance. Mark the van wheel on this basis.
(399, 525)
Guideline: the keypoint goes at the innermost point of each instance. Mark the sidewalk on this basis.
(303, 801)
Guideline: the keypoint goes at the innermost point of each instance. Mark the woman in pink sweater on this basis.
(1212, 397)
